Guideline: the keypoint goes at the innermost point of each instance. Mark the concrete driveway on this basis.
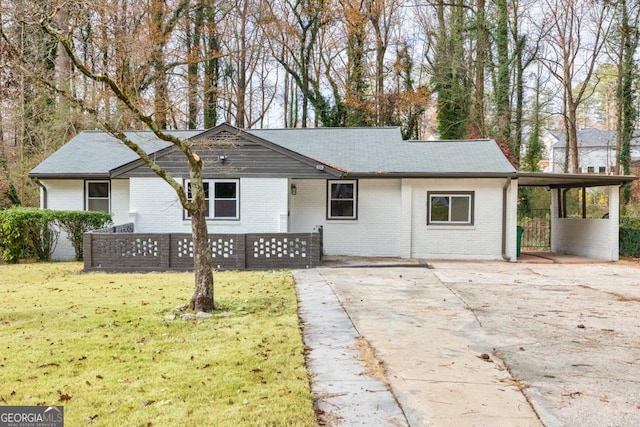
(501, 344)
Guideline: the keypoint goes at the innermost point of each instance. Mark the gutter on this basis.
(354, 175)
(44, 192)
(507, 184)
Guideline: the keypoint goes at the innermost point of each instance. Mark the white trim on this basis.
(211, 200)
(450, 195)
(354, 200)
(87, 198)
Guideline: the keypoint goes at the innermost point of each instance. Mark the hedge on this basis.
(630, 241)
(30, 232)
(630, 236)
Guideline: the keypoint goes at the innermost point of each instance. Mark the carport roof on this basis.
(563, 180)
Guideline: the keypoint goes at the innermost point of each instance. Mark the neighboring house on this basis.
(596, 151)
(373, 193)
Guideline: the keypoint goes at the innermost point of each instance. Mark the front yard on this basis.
(102, 346)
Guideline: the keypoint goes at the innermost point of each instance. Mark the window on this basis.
(602, 169)
(450, 208)
(342, 199)
(97, 196)
(590, 169)
(222, 202)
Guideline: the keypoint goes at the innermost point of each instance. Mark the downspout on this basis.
(44, 193)
(507, 184)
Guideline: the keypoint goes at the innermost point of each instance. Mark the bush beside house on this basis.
(630, 236)
(29, 232)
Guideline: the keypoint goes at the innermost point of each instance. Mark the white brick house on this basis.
(373, 193)
(597, 153)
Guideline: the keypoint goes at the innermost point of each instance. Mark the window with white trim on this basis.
(221, 198)
(453, 208)
(342, 199)
(97, 196)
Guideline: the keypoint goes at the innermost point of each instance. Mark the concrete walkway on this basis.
(345, 391)
(438, 368)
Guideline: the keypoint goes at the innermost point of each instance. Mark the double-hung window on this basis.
(97, 196)
(221, 198)
(342, 199)
(450, 208)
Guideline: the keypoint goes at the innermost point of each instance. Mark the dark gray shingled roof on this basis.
(96, 153)
(590, 137)
(382, 150)
(355, 151)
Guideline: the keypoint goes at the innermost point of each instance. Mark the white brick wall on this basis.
(120, 201)
(263, 205)
(594, 238)
(482, 240)
(392, 218)
(374, 233)
(68, 194)
(65, 194)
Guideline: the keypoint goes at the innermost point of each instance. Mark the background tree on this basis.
(384, 17)
(503, 82)
(449, 70)
(576, 32)
(39, 19)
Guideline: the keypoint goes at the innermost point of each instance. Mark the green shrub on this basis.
(26, 232)
(630, 221)
(76, 223)
(29, 232)
(630, 241)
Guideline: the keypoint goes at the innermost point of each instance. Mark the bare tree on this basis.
(575, 33)
(383, 17)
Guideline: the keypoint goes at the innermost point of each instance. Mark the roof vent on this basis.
(320, 167)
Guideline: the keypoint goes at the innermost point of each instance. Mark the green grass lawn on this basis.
(100, 345)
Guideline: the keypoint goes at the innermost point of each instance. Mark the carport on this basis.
(581, 236)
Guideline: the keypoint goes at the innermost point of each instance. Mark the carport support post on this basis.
(614, 220)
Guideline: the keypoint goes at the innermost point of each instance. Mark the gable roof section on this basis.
(94, 154)
(224, 137)
(381, 151)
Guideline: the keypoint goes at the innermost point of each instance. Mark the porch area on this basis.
(571, 230)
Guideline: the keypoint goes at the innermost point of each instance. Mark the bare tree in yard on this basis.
(575, 33)
(162, 20)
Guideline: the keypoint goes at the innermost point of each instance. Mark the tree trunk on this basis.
(477, 126)
(503, 89)
(202, 299)
(192, 38)
(572, 137)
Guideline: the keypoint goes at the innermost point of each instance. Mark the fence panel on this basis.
(227, 251)
(265, 251)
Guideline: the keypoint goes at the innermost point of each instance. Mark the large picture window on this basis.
(342, 199)
(221, 198)
(450, 208)
(97, 196)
